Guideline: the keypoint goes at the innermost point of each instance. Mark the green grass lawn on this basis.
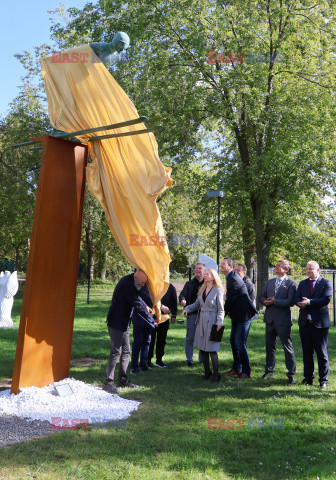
(167, 438)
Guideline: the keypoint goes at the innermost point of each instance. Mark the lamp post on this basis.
(218, 194)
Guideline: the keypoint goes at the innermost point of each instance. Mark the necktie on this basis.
(311, 286)
(277, 285)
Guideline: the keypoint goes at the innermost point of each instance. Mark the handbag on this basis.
(216, 335)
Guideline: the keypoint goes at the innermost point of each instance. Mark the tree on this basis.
(186, 217)
(99, 251)
(260, 73)
(19, 170)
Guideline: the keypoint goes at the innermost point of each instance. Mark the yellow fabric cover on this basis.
(126, 174)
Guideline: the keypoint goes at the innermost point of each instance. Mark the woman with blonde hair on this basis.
(210, 306)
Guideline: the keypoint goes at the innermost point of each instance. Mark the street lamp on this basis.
(218, 194)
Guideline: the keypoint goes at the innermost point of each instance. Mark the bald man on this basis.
(312, 297)
(126, 296)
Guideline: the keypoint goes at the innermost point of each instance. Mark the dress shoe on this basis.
(145, 369)
(243, 376)
(323, 385)
(267, 375)
(128, 384)
(207, 375)
(215, 377)
(136, 370)
(232, 373)
(190, 364)
(307, 382)
(110, 388)
(291, 380)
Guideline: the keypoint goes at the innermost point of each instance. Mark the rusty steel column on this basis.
(45, 334)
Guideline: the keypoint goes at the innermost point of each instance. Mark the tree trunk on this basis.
(90, 250)
(17, 256)
(104, 263)
(248, 249)
(262, 236)
(262, 250)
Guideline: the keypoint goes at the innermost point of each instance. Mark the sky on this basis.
(25, 24)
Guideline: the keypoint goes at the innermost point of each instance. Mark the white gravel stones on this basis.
(88, 404)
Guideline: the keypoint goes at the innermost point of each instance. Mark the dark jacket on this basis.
(279, 312)
(190, 290)
(170, 300)
(125, 298)
(319, 300)
(238, 305)
(137, 315)
(250, 288)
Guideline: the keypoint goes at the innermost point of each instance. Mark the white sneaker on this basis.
(160, 364)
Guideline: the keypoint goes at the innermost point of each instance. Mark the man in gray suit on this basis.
(278, 296)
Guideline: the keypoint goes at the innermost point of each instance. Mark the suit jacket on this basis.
(319, 299)
(125, 298)
(250, 288)
(279, 312)
(138, 316)
(238, 304)
(170, 300)
(190, 291)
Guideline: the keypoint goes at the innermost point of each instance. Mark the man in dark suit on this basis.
(126, 296)
(313, 296)
(278, 296)
(168, 306)
(187, 297)
(142, 335)
(241, 310)
(242, 271)
(142, 331)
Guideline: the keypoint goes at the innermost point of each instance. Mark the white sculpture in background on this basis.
(208, 262)
(8, 287)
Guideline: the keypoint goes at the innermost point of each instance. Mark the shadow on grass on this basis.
(168, 436)
(170, 432)
(8, 341)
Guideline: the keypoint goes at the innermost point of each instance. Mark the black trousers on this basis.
(315, 339)
(284, 333)
(160, 334)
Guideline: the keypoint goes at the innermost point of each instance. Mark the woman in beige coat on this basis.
(210, 306)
